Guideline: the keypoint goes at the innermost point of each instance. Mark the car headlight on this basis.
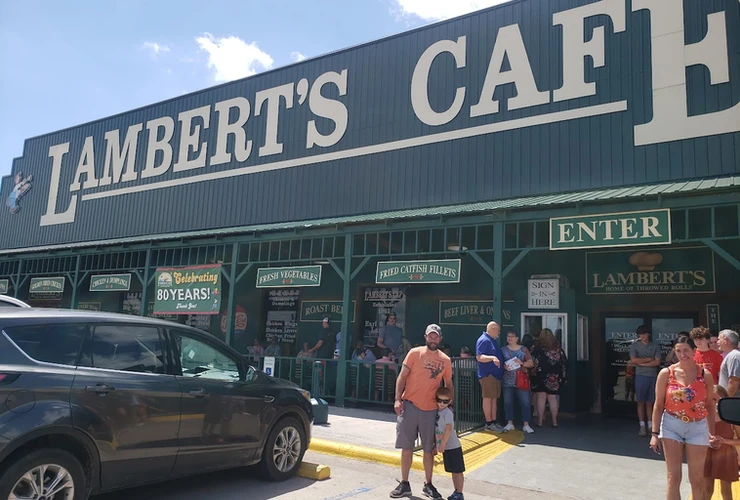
(305, 394)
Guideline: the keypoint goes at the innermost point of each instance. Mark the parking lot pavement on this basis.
(350, 479)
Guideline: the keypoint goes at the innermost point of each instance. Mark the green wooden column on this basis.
(498, 276)
(75, 284)
(346, 310)
(232, 293)
(145, 283)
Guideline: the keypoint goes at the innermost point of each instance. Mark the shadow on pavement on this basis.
(234, 484)
(609, 435)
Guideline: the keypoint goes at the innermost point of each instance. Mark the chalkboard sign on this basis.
(130, 303)
(377, 304)
(283, 309)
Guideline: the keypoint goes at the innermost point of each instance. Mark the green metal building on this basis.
(572, 165)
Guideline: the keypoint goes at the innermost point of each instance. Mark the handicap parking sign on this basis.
(269, 366)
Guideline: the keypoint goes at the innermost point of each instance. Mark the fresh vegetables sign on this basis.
(188, 290)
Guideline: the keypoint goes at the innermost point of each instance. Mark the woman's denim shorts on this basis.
(684, 432)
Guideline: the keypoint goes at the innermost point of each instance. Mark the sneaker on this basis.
(509, 427)
(528, 429)
(456, 496)
(402, 490)
(430, 491)
(494, 427)
(643, 431)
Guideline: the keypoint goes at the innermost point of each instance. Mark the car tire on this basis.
(284, 450)
(61, 463)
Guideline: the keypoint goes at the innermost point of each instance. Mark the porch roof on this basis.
(710, 185)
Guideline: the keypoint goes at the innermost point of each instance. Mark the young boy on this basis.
(448, 444)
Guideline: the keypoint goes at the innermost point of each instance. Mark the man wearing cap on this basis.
(490, 373)
(391, 336)
(326, 345)
(422, 373)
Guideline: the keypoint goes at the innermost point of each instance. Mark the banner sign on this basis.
(188, 290)
(418, 271)
(468, 313)
(679, 270)
(278, 277)
(89, 306)
(110, 283)
(45, 285)
(4, 286)
(314, 311)
(625, 229)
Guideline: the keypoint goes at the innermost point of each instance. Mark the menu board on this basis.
(377, 304)
(131, 303)
(283, 309)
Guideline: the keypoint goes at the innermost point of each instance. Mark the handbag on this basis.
(522, 379)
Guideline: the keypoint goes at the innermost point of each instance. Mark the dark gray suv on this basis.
(93, 402)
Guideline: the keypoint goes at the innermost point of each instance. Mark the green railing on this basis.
(375, 383)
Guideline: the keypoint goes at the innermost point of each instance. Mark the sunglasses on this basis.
(445, 401)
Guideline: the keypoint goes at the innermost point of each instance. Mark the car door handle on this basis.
(268, 399)
(101, 389)
(198, 393)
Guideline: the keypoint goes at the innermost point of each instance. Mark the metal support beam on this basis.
(18, 282)
(516, 261)
(145, 283)
(722, 253)
(232, 293)
(359, 267)
(482, 263)
(340, 273)
(346, 306)
(243, 272)
(75, 283)
(498, 278)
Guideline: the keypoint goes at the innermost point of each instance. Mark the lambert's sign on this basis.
(188, 290)
(624, 229)
(680, 270)
(419, 271)
(280, 277)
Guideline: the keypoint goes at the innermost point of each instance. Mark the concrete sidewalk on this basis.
(584, 458)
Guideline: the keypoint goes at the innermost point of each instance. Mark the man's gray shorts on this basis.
(414, 422)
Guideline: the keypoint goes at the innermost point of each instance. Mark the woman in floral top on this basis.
(684, 413)
(549, 375)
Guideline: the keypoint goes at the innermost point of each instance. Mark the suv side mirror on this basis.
(729, 410)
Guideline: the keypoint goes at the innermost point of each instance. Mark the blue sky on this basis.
(67, 63)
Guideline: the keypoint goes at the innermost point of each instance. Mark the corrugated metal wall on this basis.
(578, 154)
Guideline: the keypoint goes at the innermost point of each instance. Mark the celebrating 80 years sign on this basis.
(188, 290)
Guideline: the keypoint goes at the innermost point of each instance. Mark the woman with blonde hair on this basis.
(549, 371)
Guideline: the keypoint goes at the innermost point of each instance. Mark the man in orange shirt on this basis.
(423, 371)
(704, 356)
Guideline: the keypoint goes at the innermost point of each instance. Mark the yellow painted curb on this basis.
(478, 449)
(314, 471)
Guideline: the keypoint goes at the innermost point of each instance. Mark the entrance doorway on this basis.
(618, 388)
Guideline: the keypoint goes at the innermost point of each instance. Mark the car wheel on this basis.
(48, 474)
(284, 450)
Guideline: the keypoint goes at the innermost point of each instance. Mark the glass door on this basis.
(618, 374)
(534, 323)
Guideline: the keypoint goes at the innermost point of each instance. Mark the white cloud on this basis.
(156, 48)
(434, 10)
(233, 58)
(297, 56)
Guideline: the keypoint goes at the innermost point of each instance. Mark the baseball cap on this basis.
(433, 328)
(326, 319)
(336, 352)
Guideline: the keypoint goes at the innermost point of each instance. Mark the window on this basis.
(125, 348)
(199, 359)
(51, 343)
